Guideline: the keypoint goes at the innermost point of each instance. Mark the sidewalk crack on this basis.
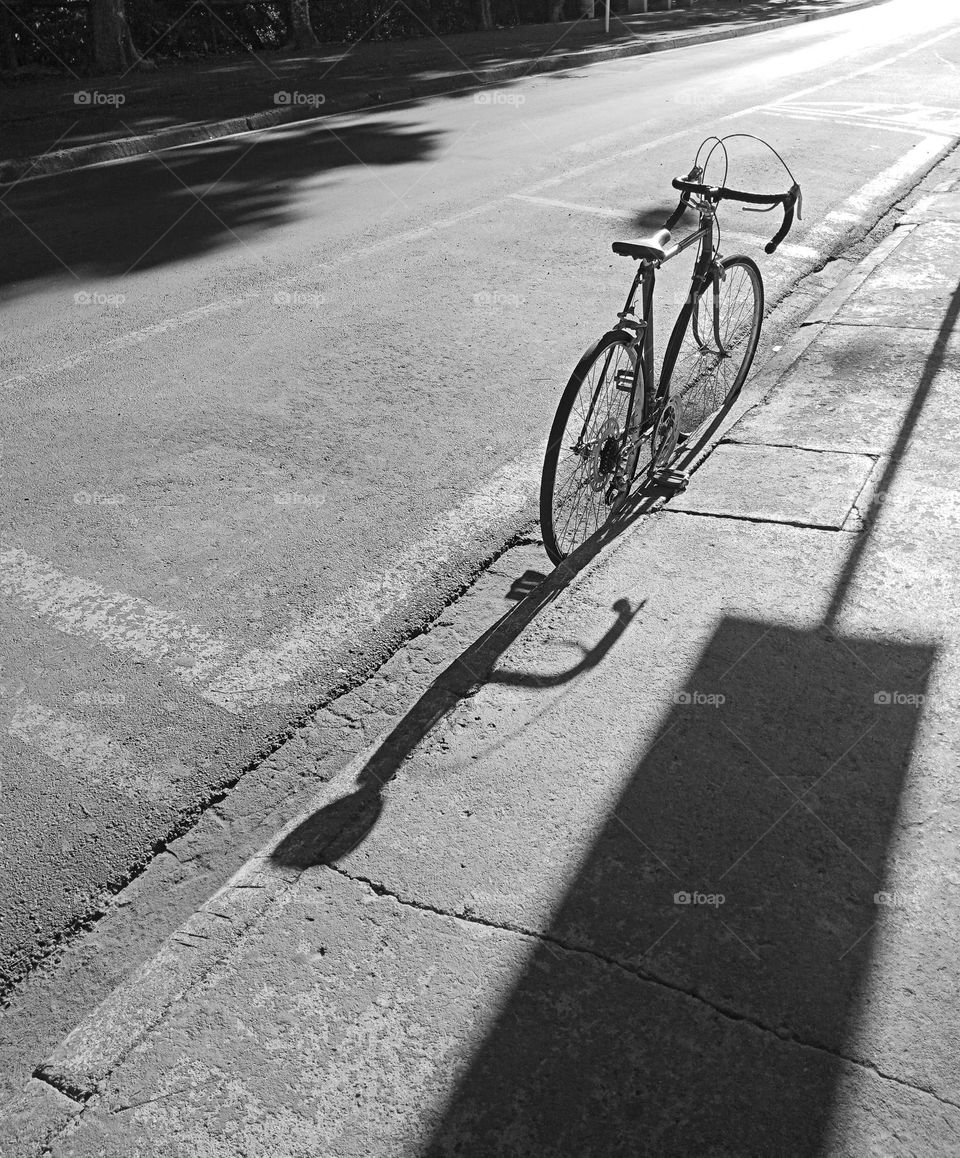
(729, 1013)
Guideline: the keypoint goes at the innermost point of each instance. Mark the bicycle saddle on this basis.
(649, 248)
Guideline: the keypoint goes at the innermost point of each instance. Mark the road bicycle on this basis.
(611, 427)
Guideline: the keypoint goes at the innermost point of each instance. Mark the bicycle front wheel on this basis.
(713, 352)
(594, 445)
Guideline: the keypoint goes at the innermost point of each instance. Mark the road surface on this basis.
(268, 403)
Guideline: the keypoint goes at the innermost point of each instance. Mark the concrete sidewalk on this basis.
(663, 864)
(54, 126)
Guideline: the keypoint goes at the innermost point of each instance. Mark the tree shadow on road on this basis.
(174, 206)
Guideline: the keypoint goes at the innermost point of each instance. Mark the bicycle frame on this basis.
(641, 351)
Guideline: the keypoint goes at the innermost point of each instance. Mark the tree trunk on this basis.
(302, 36)
(113, 49)
(8, 43)
(486, 15)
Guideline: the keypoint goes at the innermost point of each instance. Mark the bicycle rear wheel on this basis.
(590, 460)
(714, 350)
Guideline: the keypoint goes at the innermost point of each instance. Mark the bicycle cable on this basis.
(720, 143)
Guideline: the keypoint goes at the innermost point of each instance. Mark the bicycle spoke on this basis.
(703, 378)
(589, 474)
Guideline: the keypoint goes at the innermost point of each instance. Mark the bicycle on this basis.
(623, 429)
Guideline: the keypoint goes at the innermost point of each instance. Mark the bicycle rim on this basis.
(719, 343)
(588, 469)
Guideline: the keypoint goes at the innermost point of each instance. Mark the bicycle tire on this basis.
(581, 490)
(702, 379)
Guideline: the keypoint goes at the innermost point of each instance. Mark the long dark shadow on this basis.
(931, 369)
(694, 988)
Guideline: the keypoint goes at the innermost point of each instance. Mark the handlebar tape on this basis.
(719, 193)
(788, 212)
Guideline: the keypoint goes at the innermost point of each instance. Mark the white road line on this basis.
(130, 339)
(213, 667)
(550, 203)
(178, 321)
(847, 122)
(258, 676)
(786, 249)
(855, 75)
(123, 623)
(95, 755)
(136, 337)
(875, 191)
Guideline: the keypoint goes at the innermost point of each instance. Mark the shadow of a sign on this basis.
(693, 991)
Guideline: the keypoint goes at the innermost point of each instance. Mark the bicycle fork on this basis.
(717, 275)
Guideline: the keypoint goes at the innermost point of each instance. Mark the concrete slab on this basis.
(378, 1028)
(853, 388)
(778, 484)
(917, 288)
(662, 786)
(937, 207)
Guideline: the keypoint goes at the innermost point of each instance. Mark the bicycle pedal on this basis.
(671, 478)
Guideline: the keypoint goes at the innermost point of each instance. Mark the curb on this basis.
(89, 1053)
(123, 148)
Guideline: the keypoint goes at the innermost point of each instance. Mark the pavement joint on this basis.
(552, 943)
(798, 446)
(782, 522)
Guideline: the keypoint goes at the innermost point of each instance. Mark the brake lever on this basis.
(759, 208)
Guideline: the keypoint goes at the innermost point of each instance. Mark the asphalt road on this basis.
(269, 402)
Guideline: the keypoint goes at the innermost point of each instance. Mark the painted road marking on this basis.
(216, 669)
(68, 742)
(918, 118)
(130, 339)
(855, 75)
(786, 249)
(923, 154)
(136, 337)
(257, 677)
(121, 622)
(550, 203)
(178, 321)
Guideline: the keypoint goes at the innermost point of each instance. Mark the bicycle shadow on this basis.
(338, 828)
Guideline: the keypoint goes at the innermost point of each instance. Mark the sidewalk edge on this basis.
(52, 164)
(100, 1042)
